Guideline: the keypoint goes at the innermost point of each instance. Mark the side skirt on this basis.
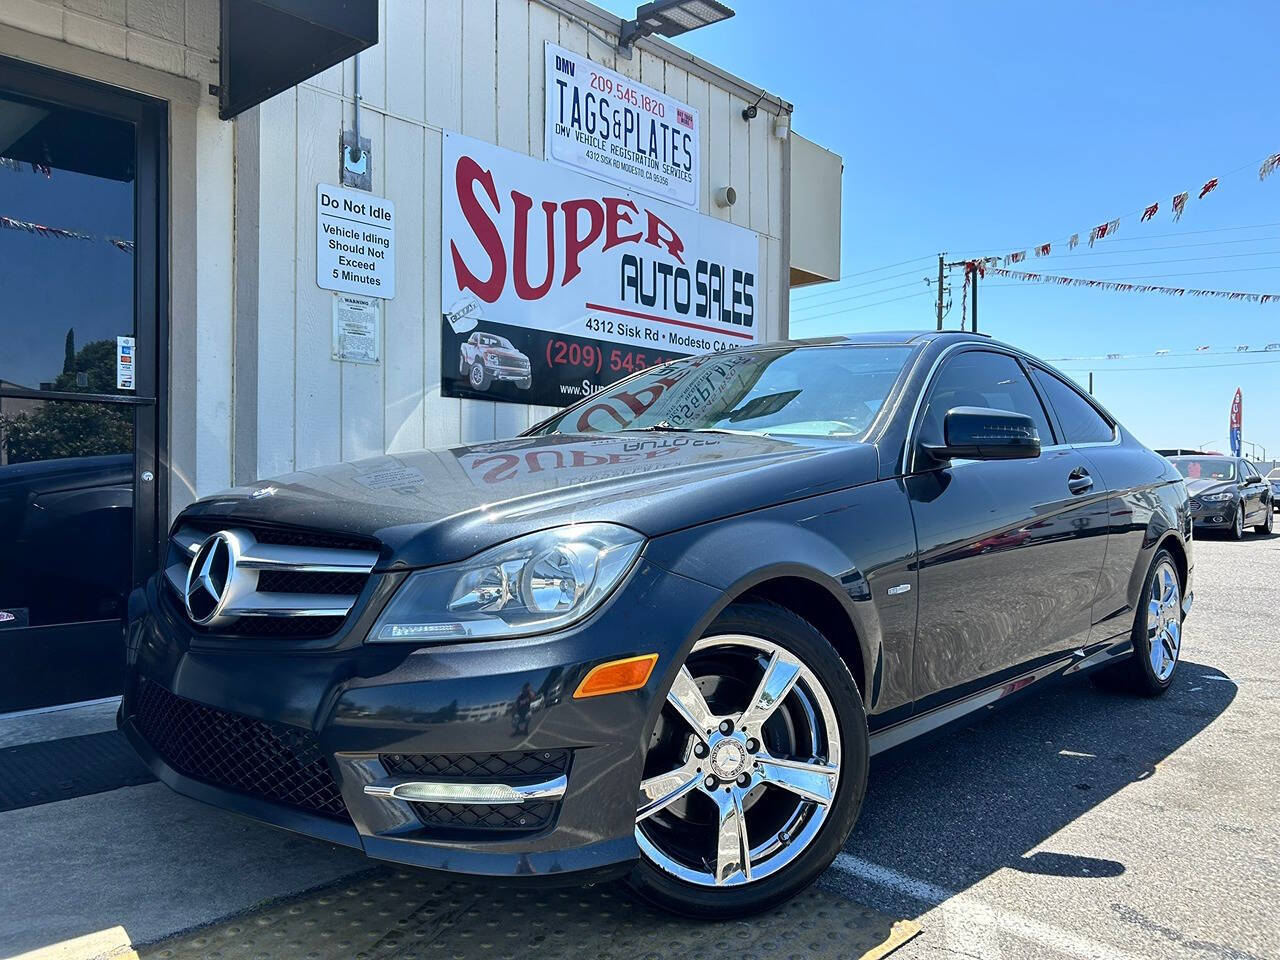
(953, 713)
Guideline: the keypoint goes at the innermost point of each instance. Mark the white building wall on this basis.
(474, 66)
(253, 390)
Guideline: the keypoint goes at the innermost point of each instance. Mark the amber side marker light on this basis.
(617, 676)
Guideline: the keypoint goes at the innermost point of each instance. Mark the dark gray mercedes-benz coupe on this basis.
(661, 634)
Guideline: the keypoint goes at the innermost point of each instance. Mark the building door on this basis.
(81, 283)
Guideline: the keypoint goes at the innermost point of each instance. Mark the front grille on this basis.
(510, 817)
(295, 584)
(504, 767)
(291, 581)
(272, 761)
(283, 536)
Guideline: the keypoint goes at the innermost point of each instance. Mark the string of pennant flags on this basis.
(982, 270)
(1203, 351)
(1109, 228)
(61, 233)
(17, 166)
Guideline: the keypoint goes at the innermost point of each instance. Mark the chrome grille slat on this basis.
(311, 573)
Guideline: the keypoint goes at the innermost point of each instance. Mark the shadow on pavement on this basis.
(981, 798)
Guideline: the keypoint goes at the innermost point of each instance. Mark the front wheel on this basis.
(1237, 525)
(478, 377)
(1268, 524)
(756, 769)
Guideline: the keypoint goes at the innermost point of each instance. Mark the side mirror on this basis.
(979, 433)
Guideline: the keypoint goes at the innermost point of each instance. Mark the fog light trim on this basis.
(422, 791)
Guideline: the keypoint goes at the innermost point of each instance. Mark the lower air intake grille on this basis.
(272, 761)
(505, 767)
(515, 817)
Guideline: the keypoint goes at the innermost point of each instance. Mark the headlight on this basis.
(490, 359)
(1218, 497)
(534, 584)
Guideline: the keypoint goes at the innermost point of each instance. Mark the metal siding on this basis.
(475, 66)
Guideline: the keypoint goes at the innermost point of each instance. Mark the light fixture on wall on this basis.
(670, 18)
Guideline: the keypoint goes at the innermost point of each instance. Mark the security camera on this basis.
(750, 112)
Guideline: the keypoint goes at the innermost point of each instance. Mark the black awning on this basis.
(271, 45)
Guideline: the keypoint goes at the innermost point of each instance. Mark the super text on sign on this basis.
(355, 242)
(614, 128)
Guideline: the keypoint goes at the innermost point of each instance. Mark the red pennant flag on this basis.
(1150, 212)
(1043, 249)
(1180, 204)
(1208, 188)
(1016, 257)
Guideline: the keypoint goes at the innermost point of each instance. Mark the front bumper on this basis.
(1207, 515)
(509, 373)
(359, 706)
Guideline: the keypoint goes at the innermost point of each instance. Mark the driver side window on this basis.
(978, 378)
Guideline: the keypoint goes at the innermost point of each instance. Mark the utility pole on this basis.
(1091, 383)
(941, 265)
(974, 280)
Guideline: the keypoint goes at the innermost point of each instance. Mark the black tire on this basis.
(1134, 674)
(478, 377)
(463, 366)
(1268, 524)
(779, 625)
(1237, 524)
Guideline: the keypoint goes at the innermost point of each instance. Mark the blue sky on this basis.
(988, 129)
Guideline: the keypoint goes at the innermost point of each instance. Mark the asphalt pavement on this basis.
(1076, 823)
(1083, 823)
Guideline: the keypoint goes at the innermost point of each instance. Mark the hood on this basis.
(1207, 485)
(439, 506)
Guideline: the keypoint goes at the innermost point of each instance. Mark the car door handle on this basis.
(1079, 481)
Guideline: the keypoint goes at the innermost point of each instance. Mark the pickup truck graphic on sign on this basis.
(486, 357)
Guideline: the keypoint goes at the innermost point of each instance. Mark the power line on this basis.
(865, 306)
(859, 296)
(832, 287)
(844, 288)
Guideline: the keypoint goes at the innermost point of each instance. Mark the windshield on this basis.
(831, 391)
(1206, 468)
(489, 340)
(1274, 474)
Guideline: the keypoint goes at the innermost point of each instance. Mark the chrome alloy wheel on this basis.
(743, 766)
(1164, 621)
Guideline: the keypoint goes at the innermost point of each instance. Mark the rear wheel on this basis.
(1157, 634)
(756, 769)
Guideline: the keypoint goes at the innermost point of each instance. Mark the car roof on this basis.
(883, 336)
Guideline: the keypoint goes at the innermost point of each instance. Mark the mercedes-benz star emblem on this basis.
(209, 576)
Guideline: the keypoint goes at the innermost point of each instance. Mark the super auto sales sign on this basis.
(554, 284)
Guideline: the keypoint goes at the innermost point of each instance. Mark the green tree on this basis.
(66, 428)
(69, 351)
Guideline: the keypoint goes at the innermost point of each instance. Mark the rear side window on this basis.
(1081, 422)
(977, 378)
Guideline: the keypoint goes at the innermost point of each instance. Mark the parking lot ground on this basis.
(1078, 823)
(1084, 823)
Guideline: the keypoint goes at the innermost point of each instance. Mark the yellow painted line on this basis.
(902, 931)
(112, 943)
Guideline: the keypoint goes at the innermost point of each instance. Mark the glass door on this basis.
(79, 379)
